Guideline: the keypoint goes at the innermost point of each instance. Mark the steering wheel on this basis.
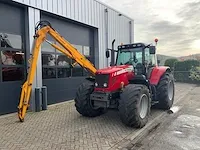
(130, 62)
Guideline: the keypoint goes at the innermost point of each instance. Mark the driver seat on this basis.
(140, 69)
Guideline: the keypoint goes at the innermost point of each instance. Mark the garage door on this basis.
(12, 63)
(61, 80)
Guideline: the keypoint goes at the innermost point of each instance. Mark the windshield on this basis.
(129, 56)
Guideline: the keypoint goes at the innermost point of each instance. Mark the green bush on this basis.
(182, 70)
(171, 62)
(195, 74)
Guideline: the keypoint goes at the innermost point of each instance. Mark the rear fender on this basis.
(157, 73)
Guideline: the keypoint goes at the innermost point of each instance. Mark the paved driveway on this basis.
(61, 127)
(179, 131)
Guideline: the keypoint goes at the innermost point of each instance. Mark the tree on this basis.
(170, 62)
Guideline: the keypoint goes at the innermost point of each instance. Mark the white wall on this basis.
(33, 18)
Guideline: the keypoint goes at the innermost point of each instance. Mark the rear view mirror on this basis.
(158, 61)
(152, 49)
(107, 54)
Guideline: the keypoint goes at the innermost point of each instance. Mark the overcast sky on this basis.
(176, 23)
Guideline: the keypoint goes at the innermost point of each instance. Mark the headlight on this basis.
(105, 85)
(96, 84)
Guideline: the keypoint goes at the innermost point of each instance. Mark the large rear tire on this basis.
(165, 92)
(134, 105)
(82, 100)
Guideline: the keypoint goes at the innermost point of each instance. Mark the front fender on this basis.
(157, 73)
(90, 78)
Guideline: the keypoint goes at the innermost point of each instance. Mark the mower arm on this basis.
(40, 36)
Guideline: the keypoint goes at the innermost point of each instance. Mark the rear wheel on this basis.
(134, 105)
(165, 92)
(82, 101)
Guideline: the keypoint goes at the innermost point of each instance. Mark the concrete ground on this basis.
(62, 127)
(180, 131)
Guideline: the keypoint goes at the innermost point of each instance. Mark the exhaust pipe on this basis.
(113, 54)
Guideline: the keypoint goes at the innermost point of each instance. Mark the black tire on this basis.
(83, 103)
(165, 101)
(129, 105)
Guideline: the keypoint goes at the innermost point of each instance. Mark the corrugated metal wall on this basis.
(38, 77)
(90, 12)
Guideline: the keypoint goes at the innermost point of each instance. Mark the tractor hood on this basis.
(112, 69)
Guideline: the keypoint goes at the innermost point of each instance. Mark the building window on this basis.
(57, 65)
(63, 66)
(86, 72)
(48, 63)
(77, 70)
(10, 41)
(86, 51)
(48, 59)
(63, 61)
(79, 48)
(12, 62)
(12, 73)
(12, 57)
(45, 47)
(48, 73)
(63, 72)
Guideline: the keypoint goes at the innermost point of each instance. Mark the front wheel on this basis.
(165, 92)
(82, 100)
(134, 105)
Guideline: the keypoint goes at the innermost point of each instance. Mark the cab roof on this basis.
(133, 45)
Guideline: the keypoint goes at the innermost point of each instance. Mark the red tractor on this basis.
(133, 85)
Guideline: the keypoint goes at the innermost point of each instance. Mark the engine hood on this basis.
(112, 69)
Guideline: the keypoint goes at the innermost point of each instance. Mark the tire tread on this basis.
(162, 92)
(128, 105)
(82, 100)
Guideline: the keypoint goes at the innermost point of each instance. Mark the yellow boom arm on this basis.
(68, 50)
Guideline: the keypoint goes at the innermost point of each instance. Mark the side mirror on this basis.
(152, 49)
(107, 54)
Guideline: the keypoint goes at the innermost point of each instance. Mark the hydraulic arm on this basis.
(42, 29)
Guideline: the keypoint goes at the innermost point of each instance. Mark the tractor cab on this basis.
(139, 55)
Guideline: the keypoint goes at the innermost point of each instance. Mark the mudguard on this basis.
(157, 73)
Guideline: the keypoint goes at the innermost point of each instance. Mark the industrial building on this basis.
(87, 24)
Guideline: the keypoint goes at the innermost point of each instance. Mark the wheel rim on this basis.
(143, 106)
(170, 90)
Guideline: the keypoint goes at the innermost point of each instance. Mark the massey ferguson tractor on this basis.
(132, 85)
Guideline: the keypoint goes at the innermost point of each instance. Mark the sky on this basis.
(176, 23)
